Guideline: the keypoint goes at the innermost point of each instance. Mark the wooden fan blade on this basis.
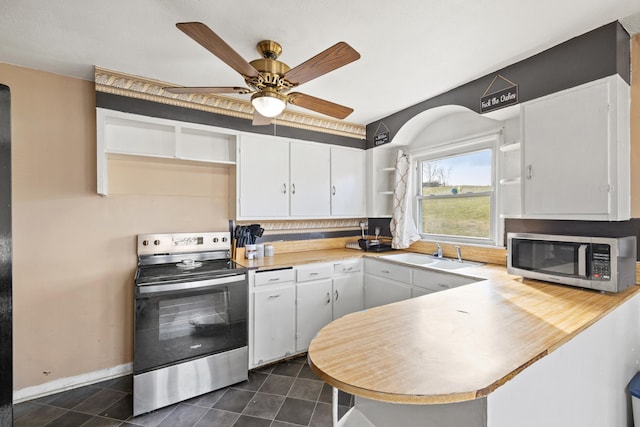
(335, 57)
(260, 120)
(206, 90)
(319, 105)
(214, 44)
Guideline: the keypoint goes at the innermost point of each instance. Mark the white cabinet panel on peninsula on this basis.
(279, 179)
(126, 134)
(575, 153)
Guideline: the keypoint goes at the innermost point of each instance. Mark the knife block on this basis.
(238, 253)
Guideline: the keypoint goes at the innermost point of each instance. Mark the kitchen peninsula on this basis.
(500, 352)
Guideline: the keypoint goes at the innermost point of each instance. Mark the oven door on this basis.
(175, 322)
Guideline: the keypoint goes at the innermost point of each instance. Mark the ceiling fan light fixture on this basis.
(268, 104)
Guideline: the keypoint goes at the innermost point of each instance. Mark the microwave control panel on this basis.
(600, 262)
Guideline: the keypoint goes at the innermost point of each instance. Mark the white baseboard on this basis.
(69, 383)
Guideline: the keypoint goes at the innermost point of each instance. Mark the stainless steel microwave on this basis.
(601, 263)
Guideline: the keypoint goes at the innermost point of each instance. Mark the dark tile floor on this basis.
(281, 395)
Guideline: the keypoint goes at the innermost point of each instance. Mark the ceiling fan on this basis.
(270, 80)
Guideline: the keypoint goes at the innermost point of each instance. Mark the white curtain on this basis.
(403, 227)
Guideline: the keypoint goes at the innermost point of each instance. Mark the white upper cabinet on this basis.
(347, 182)
(262, 177)
(310, 181)
(575, 153)
(281, 179)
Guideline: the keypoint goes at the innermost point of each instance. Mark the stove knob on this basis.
(215, 240)
(156, 242)
(145, 242)
(224, 239)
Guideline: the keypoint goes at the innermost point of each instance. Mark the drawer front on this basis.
(346, 267)
(305, 273)
(437, 281)
(388, 270)
(274, 276)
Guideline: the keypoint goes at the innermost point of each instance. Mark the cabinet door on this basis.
(273, 323)
(566, 143)
(310, 181)
(263, 177)
(313, 310)
(348, 294)
(347, 182)
(379, 291)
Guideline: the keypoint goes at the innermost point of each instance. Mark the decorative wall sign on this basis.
(501, 98)
(383, 137)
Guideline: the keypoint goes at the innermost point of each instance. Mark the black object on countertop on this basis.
(370, 246)
(247, 234)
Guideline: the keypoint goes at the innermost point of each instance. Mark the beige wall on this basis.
(74, 251)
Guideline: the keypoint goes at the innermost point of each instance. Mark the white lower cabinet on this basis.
(273, 322)
(325, 291)
(381, 291)
(313, 310)
(387, 282)
(289, 306)
(348, 294)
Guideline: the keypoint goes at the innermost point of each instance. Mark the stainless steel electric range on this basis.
(191, 303)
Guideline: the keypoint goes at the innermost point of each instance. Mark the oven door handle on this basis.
(229, 278)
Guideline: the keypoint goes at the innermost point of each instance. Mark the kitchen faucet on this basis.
(459, 253)
(438, 253)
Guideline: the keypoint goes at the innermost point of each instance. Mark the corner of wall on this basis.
(635, 126)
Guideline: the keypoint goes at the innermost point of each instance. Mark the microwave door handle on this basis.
(582, 260)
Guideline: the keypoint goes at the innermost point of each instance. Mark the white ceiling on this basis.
(411, 50)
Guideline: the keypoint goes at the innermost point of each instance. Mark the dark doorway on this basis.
(6, 337)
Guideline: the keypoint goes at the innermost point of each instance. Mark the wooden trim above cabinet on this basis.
(116, 83)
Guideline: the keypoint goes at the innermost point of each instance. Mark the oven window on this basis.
(195, 315)
(550, 257)
(171, 327)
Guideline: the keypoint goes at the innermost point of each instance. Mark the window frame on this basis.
(491, 142)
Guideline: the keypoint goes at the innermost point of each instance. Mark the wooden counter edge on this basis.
(471, 394)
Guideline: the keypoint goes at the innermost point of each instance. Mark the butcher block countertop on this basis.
(304, 257)
(456, 345)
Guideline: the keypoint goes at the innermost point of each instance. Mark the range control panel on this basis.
(152, 244)
(600, 262)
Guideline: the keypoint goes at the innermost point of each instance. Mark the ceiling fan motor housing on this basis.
(271, 70)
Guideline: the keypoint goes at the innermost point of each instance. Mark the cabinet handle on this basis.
(333, 190)
(348, 269)
(274, 279)
(284, 188)
(293, 189)
(385, 271)
(337, 295)
(313, 274)
(328, 298)
(443, 285)
(530, 172)
(274, 296)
